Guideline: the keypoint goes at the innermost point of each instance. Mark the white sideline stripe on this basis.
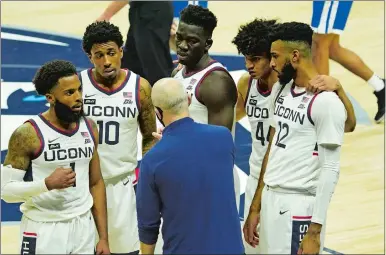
(25, 38)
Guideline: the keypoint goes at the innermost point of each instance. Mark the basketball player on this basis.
(328, 22)
(119, 101)
(254, 88)
(292, 199)
(212, 90)
(52, 167)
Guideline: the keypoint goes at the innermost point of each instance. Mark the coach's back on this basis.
(187, 180)
(192, 167)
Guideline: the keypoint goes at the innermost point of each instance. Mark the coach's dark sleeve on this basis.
(148, 204)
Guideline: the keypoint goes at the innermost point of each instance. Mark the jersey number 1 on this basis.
(72, 165)
(104, 132)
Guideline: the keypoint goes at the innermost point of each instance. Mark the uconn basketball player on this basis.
(254, 89)
(328, 21)
(119, 102)
(212, 89)
(303, 168)
(52, 167)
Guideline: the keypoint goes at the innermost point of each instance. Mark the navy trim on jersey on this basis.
(294, 94)
(90, 131)
(187, 75)
(249, 88)
(309, 108)
(265, 93)
(60, 131)
(196, 94)
(138, 89)
(278, 94)
(41, 138)
(105, 91)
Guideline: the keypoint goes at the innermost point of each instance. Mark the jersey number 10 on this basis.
(104, 132)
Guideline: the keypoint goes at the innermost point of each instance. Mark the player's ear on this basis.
(50, 98)
(121, 52)
(295, 56)
(89, 57)
(208, 44)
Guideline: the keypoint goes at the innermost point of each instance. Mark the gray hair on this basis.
(169, 95)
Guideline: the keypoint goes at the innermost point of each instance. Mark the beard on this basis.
(66, 114)
(287, 73)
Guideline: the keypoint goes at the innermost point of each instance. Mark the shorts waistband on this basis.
(288, 191)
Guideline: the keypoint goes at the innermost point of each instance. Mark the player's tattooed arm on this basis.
(146, 119)
(218, 93)
(97, 188)
(23, 144)
(242, 90)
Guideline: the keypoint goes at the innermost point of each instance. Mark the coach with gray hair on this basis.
(187, 179)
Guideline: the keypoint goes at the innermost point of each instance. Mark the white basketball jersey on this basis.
(293, 159)
(60, 148)
(192, 81)
(116, 115)
(257, 108)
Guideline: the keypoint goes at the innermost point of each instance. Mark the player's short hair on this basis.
(48, 75)
(293, 32)
(101, 32)
(253, 38)
(199, 16)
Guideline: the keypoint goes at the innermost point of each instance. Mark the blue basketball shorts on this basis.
(330, 17)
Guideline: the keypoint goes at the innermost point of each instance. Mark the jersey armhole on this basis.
(88, 125)
(138, 91)
(309, 108)
(39, 151)
(249, 88)
(196, 91)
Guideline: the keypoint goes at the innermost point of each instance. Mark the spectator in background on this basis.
(147, 49)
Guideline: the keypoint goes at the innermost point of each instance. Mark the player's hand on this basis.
(61, 178)
(323, 83)
(158, 135)
(102, 247)
(251, 235)
(310, 243)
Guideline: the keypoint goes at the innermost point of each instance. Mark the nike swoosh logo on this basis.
(283, 212)
(34, 98)
(50, 141)
(87, 96)
(253, 96)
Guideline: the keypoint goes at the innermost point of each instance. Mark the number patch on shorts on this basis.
(300, 226)
(28, 245)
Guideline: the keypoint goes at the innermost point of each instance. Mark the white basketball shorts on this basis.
(74, 236)
(122, 214)
(284, 221)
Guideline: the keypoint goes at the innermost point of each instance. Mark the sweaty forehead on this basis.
(103, 47)
(190, 30)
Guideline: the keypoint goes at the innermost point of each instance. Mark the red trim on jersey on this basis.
(301, 217)
(106, 90)
(30, 234)
(187, 75)
(38, 152)
(309, 109)
(264, 93)
(196, 94)
(58, 129)
(315, 154)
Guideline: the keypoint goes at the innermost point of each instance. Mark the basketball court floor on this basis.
(34, 32)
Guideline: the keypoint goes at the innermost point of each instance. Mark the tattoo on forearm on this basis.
(147, 121)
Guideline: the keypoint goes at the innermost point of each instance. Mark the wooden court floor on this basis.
(356, 219)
